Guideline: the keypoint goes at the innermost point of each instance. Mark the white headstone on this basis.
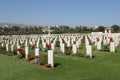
(77, 44)
(18, 48)
(109, 31)
(26, 44)
(12, 47)
(36, 51)
(112, 46)
(51, 58)
(89, 51)
(74, 49)
(26, 52)
(63, 47)
(2, 44)
(7, 48)
(99, 45)
(37, 44)
(68, 43)
(52, 46)
(36, 55)
(44, 45)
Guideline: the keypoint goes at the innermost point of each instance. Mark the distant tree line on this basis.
(18, 30)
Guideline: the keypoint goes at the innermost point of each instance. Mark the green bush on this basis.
(68, 52)
(3, 52)
(42, 62)
(3, 48)
(82, 46)
(57, 44)
(105, 48)
(94, 47)
(14, 52)
(20, 56)
(43, 59)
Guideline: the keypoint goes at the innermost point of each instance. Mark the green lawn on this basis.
(104, 66)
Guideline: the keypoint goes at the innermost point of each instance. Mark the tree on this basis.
(115, 28)
(15, 28)
(101, 28)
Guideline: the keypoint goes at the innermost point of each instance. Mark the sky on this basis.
(61, 12)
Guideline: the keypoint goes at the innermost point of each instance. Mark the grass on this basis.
(105, 66)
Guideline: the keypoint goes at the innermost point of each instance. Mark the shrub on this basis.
(20, 56)
(68, 50)
(3, 48)
(57, 44)
(48, 46)
(3, 52)
(43, 59)
(42, 62)
(82, 46)
(14, 52)
(94, 47)
(22, 53)
(105, 48)
(80, 55)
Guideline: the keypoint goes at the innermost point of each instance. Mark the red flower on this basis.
(48, 46)
(36, 56)
(31, 57)
(67, 47)
(22, 51)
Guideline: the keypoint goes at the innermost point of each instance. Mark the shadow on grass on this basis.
(57, 64)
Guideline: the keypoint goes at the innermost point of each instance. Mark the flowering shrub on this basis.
(68, 50)
(48, 47)
(31, 57)
(22, 53)
(67, 47)
(43, 59)
(36, 57)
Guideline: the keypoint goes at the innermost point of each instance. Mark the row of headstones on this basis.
(25, 41)
(75, 42)
(47, 40)
(76, 45)
(68, 39)
(108, 39)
